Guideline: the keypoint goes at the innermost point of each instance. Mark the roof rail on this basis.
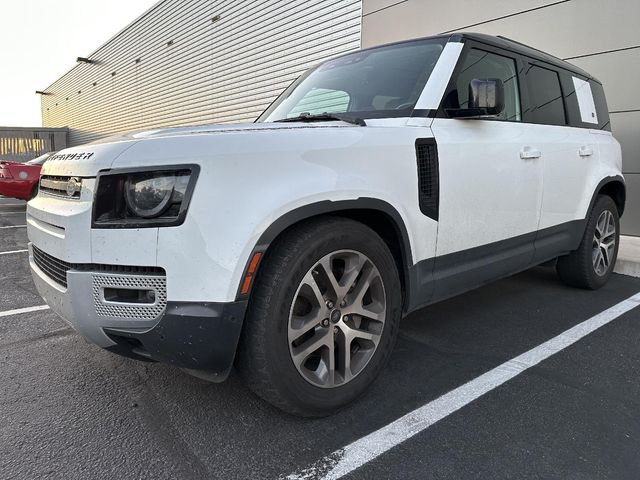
(529, 46)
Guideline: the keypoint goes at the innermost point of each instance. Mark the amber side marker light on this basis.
(248, 278)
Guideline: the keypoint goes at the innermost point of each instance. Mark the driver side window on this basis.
(482, 65)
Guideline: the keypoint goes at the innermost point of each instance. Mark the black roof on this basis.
(500, 42)
(522, 49)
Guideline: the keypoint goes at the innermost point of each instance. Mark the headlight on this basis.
(136, 199)
(151, 197)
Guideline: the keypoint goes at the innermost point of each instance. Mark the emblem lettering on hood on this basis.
(71, 156)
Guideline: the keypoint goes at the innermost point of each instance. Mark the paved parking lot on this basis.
(70, 410)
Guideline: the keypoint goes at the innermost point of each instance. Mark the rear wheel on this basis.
(591, 265)
(323, 317)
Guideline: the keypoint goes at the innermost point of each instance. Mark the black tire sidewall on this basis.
(602, 204)
(343, 235)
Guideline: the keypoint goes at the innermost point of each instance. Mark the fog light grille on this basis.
(141, 311)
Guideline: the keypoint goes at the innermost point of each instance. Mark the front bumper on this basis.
(191, 335)
(194, 336)
(20, 189)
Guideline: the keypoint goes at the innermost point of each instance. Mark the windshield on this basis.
(376, 83)
(39, 160)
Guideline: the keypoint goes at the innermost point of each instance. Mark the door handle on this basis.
(528, 153)
(585, 151)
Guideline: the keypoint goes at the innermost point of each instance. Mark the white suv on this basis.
(378, 183)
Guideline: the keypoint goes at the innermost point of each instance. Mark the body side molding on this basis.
(439, 278)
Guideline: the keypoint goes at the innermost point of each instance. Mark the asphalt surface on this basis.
(70, 410)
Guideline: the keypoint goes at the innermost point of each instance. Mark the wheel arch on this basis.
(377, 214)
(615, 188)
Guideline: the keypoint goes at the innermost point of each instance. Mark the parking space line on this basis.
(6, 214)
(19, 311)
(362, 451)
(14, 226)
(13, 251)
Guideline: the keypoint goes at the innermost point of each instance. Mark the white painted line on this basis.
(6, 214)
(346, 460)
(14, 226)
(13, 204)
(18, 311)
(13, 251)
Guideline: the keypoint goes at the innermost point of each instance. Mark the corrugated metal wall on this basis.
(199, 61)
(601, 37)
(23, 144)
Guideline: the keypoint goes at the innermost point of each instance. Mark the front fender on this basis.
(272, 228)
(251, 180)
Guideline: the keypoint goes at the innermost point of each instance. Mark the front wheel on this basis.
(323, 317)
(591, 265)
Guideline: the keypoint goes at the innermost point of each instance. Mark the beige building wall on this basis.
(600, 36)
(20, 144)
(198, 62)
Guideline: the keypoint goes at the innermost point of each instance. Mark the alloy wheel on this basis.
(604, 243)
(337, 318)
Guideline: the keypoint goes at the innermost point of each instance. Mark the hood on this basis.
(88, 160)
(85, 160)
(217, 129)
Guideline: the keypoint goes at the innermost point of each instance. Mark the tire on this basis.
(284, 303)
(591, 265)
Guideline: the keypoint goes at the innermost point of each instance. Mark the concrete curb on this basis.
(629, 257)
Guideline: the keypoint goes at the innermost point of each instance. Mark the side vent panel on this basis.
(428, 177)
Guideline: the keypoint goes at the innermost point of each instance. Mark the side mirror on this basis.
(486, 98)
(487, 95)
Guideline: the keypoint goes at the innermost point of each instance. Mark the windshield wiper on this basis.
(324, 117)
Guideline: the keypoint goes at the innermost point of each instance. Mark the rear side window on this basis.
(587, 108)
(601, 106)
(546, 105)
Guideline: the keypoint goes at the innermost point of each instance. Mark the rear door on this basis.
(570, 153)
(490, 179)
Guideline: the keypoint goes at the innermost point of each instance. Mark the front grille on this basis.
(57, 269)
(57, 186)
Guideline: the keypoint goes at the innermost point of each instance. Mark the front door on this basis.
(490, 180)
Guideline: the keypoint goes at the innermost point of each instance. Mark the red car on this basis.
(20, 180)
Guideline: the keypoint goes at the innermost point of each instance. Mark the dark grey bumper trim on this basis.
(190, 335)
